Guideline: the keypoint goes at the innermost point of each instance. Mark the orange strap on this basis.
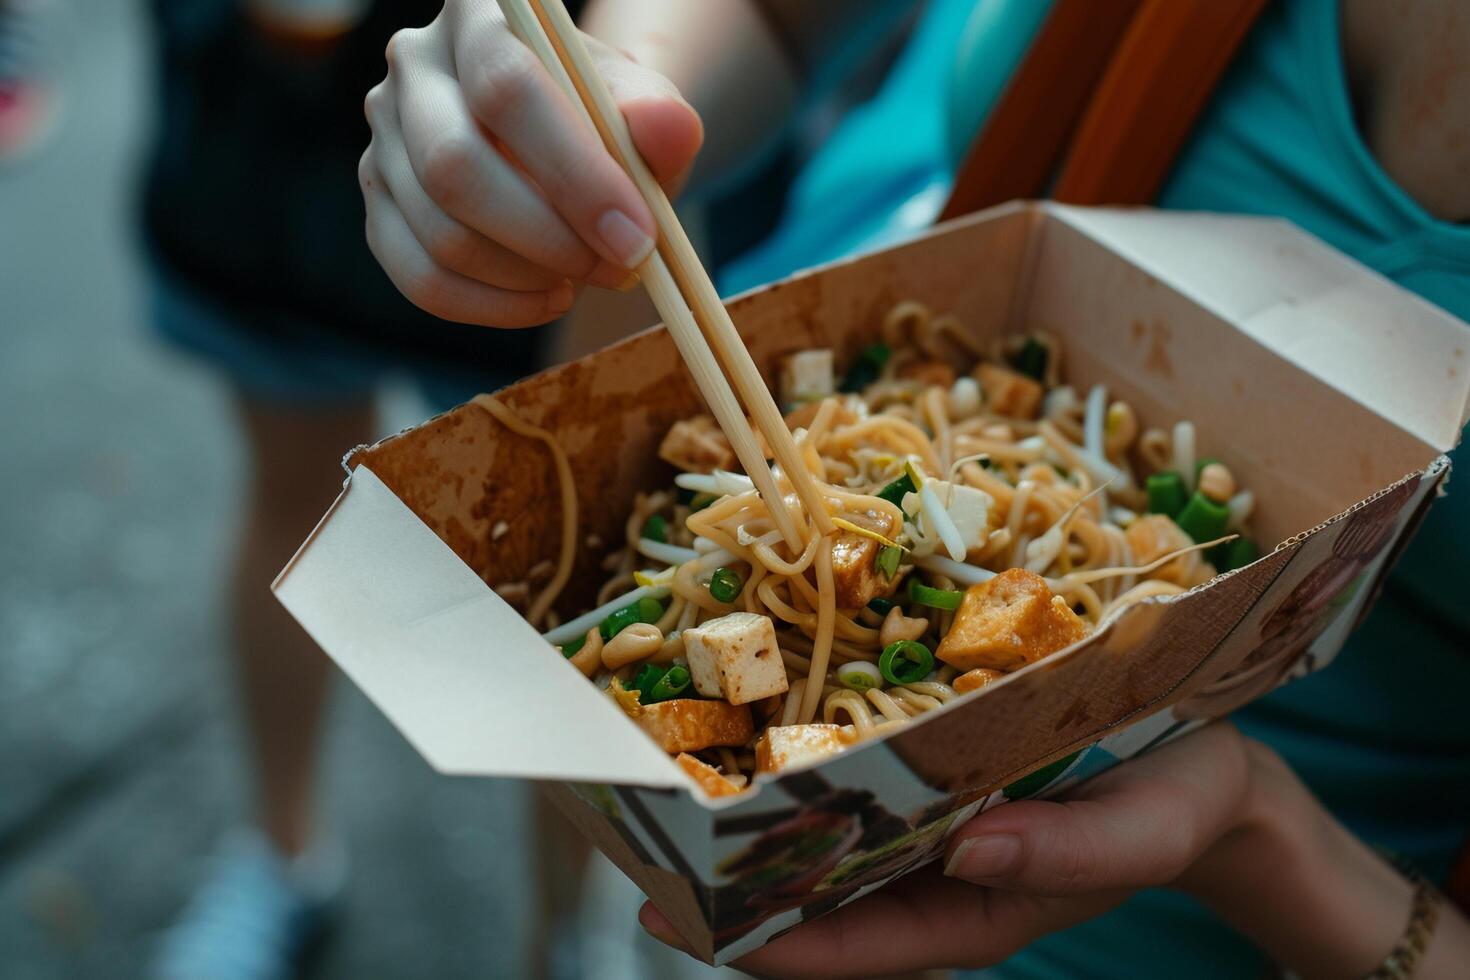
(1109, 90)
(1018, 148)
(1158, 83)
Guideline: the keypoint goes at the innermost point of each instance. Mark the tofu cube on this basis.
(697, 446)
(707, 776)
(807, 375)
(1154, 535)
(1009, 392)
(1008, 622)
(787, 746)
(689, 724)
(735, 657)
(855, 571)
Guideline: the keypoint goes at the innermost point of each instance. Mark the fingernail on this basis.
(624, 240)
(559, 300)
(629, 283)
(990, 856)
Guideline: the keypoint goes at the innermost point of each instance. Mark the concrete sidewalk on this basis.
(118, 762)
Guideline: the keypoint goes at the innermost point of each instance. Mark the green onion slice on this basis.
(1165, 493)
(674, 682)
(620, 619)
(859, 675)
(725, 584)
(656, 529)
(573, 647)
(650, 610)
(897, 490)
(1235, 554)
(881, 605)
(887, 560)
(1203, 519)
(926, 595)
(643, 682)
(905, 662)
(1030, 360)
(866, 369)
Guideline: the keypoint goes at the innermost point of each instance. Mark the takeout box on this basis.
(1330, 392)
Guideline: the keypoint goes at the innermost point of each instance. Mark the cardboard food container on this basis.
(1330, 392)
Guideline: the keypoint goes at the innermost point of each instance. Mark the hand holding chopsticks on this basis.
(677, 282)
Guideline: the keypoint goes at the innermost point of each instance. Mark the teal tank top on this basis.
(1382, 736)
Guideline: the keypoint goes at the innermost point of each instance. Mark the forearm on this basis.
(1310, 894)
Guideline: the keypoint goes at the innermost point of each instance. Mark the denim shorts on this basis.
(296, 363)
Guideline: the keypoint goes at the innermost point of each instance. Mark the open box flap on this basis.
(1402, 357)
(451, 664)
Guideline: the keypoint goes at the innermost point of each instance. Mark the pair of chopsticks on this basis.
(677, 282)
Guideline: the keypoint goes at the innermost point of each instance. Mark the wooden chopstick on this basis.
(719, 336)
(678, 318)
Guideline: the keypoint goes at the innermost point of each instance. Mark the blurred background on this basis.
(125, 478)
(119, 762)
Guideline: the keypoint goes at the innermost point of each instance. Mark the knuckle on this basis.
(452, 245)
(401, 45)
(497, 88)
(447, 166)
(1073, 866)
(374, 102)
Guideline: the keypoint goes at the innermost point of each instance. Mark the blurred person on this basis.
(261, 270)
(1231, 844)
(255, 227)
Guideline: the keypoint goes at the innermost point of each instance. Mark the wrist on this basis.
(1296, 882)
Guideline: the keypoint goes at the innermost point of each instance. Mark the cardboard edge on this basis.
(1088, 221)
(440, 633)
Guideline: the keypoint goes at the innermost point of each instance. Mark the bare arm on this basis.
(740, 63)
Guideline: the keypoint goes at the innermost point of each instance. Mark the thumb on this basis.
(665, 128)
(1141, 824)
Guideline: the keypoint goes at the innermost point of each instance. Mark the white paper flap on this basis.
(1386, 348)
(466, 679)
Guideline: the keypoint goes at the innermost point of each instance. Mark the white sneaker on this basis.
(254, 915)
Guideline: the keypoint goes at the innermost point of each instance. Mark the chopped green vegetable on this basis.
(859, 675)
(1235, 554)
(573, 647)
(887, 560)
(865, 369)
(881, 605)
(650, 610)
(1165, 493)
(905, 662)
(620, 619)
(1203, 519)
(643, 682)
(725, 584)
(674, 682)
(1030, 360)
(926, 595)
(897, 490)
(656, 529)
(700, 501)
